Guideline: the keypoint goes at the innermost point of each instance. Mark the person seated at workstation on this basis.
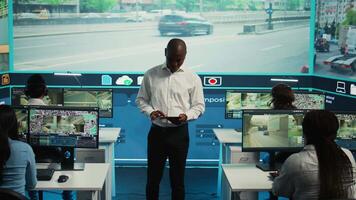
(282, 97)
(17, 160)
(322, 170)
(36, 90)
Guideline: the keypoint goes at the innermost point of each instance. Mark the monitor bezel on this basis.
(269, 149)
(95, 89)
(269, 91)
(89, 109)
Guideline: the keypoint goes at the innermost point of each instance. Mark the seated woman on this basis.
(17, 160)
(322, 170)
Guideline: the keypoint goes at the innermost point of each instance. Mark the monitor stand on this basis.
(271, 165)
(67, 161)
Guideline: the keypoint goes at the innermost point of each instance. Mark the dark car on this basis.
(184, 24)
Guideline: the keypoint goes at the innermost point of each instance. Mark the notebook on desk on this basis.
(44, 174)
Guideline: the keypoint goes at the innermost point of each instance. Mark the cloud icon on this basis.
(124, 80)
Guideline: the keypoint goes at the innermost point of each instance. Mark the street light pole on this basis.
(201, 7)
(270, 25)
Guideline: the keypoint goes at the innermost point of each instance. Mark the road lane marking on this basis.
(40, 46)
(272, 47)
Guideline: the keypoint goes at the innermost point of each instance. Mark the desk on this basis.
(226, 138)
(107, 139)
(92, 179)
(244, 178)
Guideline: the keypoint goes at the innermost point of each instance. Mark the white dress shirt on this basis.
(36, 102)
(172, 93)
(299, 176)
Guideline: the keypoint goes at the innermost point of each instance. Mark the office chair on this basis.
(7, 194)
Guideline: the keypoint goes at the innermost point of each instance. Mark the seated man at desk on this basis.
(322, 170)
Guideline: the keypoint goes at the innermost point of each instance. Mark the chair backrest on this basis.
(7, 194)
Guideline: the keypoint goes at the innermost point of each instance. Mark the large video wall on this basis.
(232, 38)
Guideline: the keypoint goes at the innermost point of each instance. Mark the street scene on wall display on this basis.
(233, 36)
(335, 38)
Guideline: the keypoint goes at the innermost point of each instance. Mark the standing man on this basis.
(171, 96)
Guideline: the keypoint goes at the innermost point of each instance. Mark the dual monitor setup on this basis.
(64, 128)
(101, 98)
(267, 130)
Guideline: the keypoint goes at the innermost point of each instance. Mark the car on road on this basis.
(184, 24)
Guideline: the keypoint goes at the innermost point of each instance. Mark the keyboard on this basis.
(44, 174)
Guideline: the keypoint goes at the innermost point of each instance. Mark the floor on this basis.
(200, 184)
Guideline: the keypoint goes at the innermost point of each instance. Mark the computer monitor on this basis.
(64, 127)
(236, 101)
(102, 98)
(271, 131)
(53, 98)
(346, 136)
(309, 100)
(22, 120)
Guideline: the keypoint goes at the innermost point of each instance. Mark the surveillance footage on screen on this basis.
(272, 130)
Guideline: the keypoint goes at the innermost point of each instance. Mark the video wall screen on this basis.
(236, 101)
(232, 36)
(54, 97)
(22, 120)
(335, 39)
(103, 99)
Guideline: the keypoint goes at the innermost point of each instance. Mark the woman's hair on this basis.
(282, 97)
(8, 129)
(320, 129)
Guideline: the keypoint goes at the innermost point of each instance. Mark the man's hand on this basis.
(182, 118)
(156, 114)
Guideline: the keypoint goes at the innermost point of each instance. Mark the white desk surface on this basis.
(246, 177)
(90, 179)
(108, 135)
(228, 135)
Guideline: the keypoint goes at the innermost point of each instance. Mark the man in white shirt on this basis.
(169, 91)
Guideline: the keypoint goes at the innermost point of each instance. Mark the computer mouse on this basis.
(62, 178)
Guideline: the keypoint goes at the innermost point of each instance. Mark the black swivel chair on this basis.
(7, 194)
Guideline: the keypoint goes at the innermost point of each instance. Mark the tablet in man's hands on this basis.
(174, 120)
